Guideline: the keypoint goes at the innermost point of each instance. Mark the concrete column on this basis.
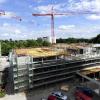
(56, 58)
(31, 59)
(42, 60)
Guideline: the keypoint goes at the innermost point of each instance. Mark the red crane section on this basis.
(3, 13)
(42, 14)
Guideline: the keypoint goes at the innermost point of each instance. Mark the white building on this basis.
(48, 39)
(97, 48)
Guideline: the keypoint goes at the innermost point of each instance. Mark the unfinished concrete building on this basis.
(42, 66)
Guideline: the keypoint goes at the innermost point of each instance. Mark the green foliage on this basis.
(95, 39)
(72, 40)
(7, 45)
(45, 43)
(76, 40)
(2, 93)
(5, 48)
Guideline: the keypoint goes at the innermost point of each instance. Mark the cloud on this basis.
(43, 9)
(65, 31)
(48, 8)
(72, 5)
(5, 34)
(85, 5)
(5, 24)
(2, 1)
(57, 8)
(9, 28)
(66, 27)
(17, 31)
(92, 6)
(8, 14)
(93, 17)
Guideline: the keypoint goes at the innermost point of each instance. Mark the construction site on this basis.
(41, 67)
(53, 68)
(60, 71)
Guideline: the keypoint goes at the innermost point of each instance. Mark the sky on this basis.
(73, 25)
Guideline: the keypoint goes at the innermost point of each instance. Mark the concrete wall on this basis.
(4, 64)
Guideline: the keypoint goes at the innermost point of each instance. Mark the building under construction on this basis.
(42, 66)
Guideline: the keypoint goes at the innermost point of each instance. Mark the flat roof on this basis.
(37, 52)
(90, 70)
(73, 45)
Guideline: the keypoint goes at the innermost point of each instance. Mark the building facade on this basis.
(40, 73)
(29, 71)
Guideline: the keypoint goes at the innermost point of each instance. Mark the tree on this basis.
(7, 45)
(5, 48)
(45, 43)
(96, 39)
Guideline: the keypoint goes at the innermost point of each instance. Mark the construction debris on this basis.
(65, 87)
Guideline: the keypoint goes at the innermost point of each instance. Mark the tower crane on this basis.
(17, 17)
(3, 13)
(52, 15)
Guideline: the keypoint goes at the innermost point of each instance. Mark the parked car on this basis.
(59, 95)
(51, 97)
(87, 91)
(81, 96)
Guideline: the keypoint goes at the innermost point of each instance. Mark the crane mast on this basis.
(52, 29)
(52, 14)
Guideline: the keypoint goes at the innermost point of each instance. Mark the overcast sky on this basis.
(78, 25)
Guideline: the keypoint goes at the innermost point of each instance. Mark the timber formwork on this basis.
(42, 73)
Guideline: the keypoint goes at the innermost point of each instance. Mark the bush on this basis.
(2, 93)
